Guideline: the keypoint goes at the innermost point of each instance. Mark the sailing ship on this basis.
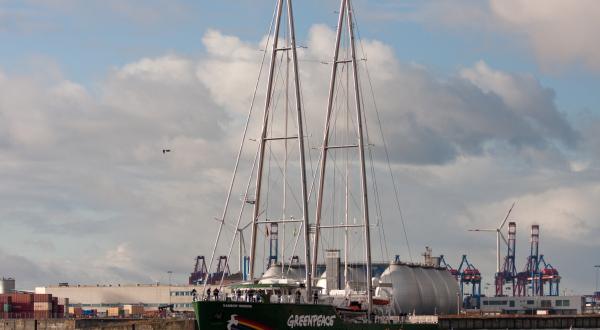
(307, 295)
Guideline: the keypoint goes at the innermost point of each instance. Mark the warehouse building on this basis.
(102, 297)
(563, 305)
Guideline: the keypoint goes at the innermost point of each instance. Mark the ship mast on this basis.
(345, 12)
(264, 139)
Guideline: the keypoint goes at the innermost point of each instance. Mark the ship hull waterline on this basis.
(232, 315)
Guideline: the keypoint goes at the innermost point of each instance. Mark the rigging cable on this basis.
(387, 155)
(238, 157)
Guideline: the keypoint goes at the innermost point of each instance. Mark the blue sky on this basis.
(485, 107)
(87, 39)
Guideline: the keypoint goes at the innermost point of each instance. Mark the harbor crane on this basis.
(508, 273)
(537, 274)
(470, 276)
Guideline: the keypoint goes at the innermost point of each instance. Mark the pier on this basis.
(519, 322)
(98, 324)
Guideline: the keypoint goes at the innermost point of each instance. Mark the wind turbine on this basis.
(499, 235)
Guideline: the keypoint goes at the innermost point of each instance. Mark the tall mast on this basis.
(308, 269)
(346, 11)
(325, 145)
(264, 139)
(361, 151)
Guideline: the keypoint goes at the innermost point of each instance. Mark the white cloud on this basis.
(78, 165)
(559, 33)
(168, 69)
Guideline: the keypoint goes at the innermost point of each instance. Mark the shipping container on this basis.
(21, 307)
(22, 298)
(6, 308)
(75, 311)
(5, 299)
(89, 312)
(43, 297)
(42, 314)
(133, 310)
(114, 312)
(42, 306)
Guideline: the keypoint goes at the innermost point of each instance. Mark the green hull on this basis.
(231, 315)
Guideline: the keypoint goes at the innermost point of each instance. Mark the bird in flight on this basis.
(164, 151)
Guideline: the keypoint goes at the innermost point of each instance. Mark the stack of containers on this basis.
(5, 301)
(21, 305)
(90, 313)
(75, 311)
(42, 306)
(114, 312)
(133, 310)
(63, 307)
(54, 306)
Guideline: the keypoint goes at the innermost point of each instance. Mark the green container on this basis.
(6, 308)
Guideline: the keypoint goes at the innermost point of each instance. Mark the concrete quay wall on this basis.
(97, 324)
(520, 322)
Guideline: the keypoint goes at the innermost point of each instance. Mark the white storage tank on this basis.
(419, 289)
(276, 273)
(7, 285)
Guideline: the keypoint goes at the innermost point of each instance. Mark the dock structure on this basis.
(519, 322)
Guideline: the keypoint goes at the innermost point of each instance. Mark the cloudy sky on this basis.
(483, 103)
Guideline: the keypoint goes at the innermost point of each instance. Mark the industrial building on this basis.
(102, 297)
(560, 305)
(7, 285)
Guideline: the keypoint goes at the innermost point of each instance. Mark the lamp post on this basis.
(597, 268)
(170, 272)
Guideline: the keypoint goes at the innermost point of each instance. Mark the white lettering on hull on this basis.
(297, 321)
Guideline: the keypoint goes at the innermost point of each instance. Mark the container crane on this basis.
(470, 276)
(452, 271)
(200, 270)
(529, 280)
(550, 278)
(508, 273)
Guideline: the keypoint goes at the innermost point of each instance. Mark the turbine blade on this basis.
(507, 214)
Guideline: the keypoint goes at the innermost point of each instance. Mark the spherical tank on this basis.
(443, 292)
(428, 290)
(405, 292)
(418, 289)
(453, 290)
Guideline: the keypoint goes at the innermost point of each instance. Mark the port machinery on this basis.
(452, 271)
(508, 273)
(200, 271)
(538, 278)
(469, 276)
